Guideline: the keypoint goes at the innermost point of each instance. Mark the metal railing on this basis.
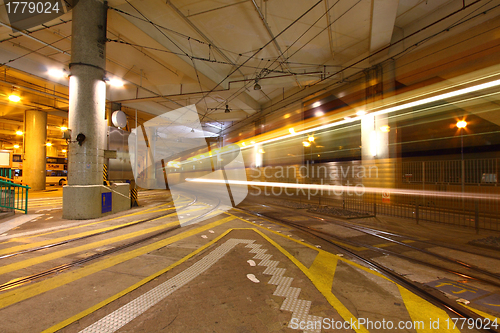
(13, 196)
(472, 176)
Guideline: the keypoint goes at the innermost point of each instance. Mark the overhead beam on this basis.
(383, 19)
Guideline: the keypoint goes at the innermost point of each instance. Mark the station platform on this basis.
(233, 272)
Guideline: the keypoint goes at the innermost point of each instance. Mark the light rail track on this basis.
(436, 299)
(77, 263)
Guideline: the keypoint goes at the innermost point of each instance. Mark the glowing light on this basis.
(347, 188)
(316, 104)
(306, 144)
(63, 128)
(319, 113)
(291, 130)
(461, 124)
(373, 143)
(64, 150)
(385, 128)
(286, 116)
(117, 83)
(14, 98)
(19, 132)
(311, 138)
(49, 144)
(348, 118)
(419, 102)
(361, 113)
(16, 146)
(57, 73)
(252, 142)
(243, 144)
(261, 151)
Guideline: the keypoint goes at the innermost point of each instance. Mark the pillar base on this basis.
(83, 202)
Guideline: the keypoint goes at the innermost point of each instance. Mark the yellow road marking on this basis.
(64, 238)
(23, 293)
(483, 314)
(85, 225)
(131, 288)
(350, 247)
(51, 256)
(406, 241)
(413, 303)
(321, 275)
(422, 311)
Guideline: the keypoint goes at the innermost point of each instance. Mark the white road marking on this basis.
(122, 316)
(252, 278)
(251, 262)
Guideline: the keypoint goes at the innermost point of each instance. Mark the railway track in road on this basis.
(435, 298)
(77, 263)
(464, 269)
(97, 233)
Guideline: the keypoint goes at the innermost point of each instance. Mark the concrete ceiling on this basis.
(179, 52)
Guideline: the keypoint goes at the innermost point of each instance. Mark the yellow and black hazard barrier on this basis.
(105, 180)
(133, 198)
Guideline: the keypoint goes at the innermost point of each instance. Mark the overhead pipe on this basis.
(214, 91)
(35, 39)
(34, 90)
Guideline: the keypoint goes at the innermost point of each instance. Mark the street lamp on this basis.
(461, 124)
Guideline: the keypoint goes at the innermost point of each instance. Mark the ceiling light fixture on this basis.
(19, 132)
(117, 83)
(257, 85)
(227, 109)
(14, 96)
(16, 146)
(49, 144)
(57, 73)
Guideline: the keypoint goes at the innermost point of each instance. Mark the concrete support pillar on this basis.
(34, 165)
(87, 103)
(377, 135)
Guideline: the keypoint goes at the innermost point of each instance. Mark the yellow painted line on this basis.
(407, 241)
(422, 311)
(483, 314)
(129, 289)
(80, 226)
(350, 247)
(64, 238)
(321, 275)
(59, 254)
(23, 293)
(418, 308)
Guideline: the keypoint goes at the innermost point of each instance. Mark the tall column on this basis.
(378, 152)
(87, 102)
(34, 169)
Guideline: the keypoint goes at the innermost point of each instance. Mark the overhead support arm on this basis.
(275, 42)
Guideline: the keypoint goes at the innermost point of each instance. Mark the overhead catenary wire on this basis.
(291, 101)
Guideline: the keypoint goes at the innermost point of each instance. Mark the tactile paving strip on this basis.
(122, 316)
(299, 308)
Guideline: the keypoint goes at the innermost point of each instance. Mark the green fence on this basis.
(13, 196)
